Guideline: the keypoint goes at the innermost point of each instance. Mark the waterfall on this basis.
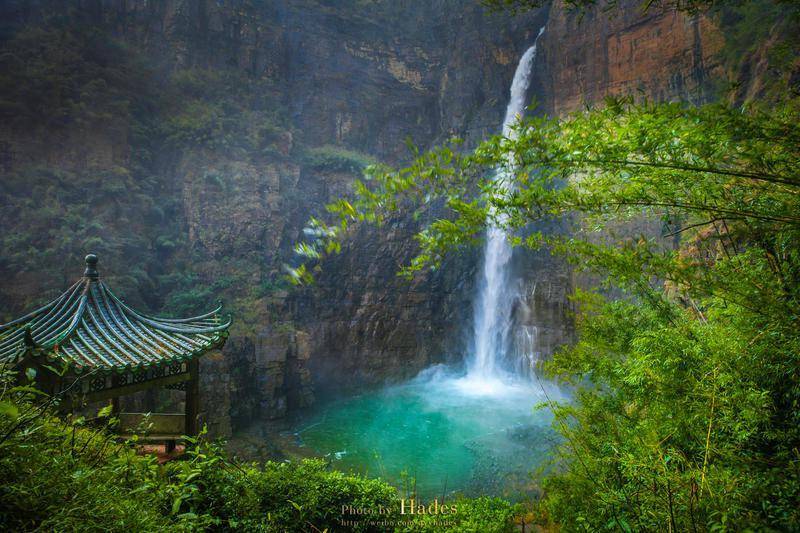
(496, 292)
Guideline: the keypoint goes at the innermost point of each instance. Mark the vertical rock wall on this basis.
(659, 55)
(361, 76)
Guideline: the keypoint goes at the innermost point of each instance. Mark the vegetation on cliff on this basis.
(96, 135)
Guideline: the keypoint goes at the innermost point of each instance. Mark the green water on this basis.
(437, 434)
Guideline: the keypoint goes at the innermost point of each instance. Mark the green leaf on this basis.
(27, 389)
(9, 410)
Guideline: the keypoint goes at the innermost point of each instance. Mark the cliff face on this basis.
(659, 55)
(250, 116)
(366, 325)
(363, 77)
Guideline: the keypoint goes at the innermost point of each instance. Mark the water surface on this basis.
(439, 433)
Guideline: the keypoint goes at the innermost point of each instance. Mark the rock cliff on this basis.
(244, 118)
(659, 55)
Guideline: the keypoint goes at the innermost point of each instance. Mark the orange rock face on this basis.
(656, 55)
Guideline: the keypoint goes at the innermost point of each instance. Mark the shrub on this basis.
(335, 158)
(61, 475)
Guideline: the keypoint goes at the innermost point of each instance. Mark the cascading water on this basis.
(440, 425)
(496, 292)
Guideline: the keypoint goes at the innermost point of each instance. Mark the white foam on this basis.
(496, 294)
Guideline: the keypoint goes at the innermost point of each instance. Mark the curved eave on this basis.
(45, 325)
(89, 329)
(207, 323)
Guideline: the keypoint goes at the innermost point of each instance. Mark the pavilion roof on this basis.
(89, 328)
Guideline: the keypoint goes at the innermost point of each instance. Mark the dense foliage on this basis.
(70, 475)
(337, 159)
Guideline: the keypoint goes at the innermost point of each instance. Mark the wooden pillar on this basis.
(193, 398)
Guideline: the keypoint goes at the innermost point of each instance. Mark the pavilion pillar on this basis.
(193, 398)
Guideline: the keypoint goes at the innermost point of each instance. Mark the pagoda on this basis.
(88, 346)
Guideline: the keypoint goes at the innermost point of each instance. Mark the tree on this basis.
(685, 414)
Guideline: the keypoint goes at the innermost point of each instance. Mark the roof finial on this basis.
(28, 338)
(91, 267)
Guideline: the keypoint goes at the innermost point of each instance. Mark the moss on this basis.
(335, 158)
(125, 208)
